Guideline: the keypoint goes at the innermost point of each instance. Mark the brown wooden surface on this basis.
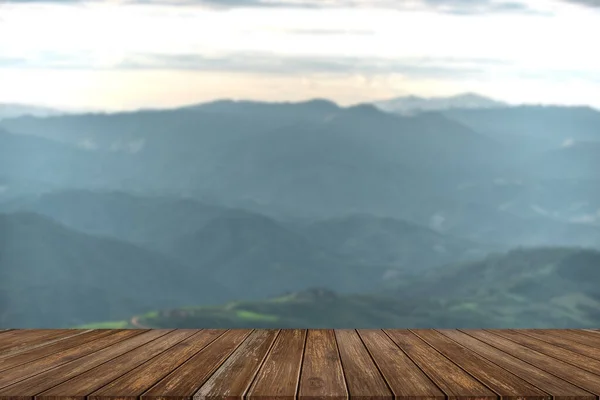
(322, 375)
(278, 378)
(449, 377)
(286, 364)
(558, 388)
(555, 366)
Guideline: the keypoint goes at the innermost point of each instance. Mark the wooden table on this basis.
(285, 364)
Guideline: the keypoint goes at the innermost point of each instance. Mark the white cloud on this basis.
(88, 144)
(436, 221)
(76, 38)
(568, 143)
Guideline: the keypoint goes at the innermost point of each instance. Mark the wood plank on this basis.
(188, 378)
(28, 388)
(576, 335)
(506, 384)
(235, 375)
(22, 372)
(79, 387)
(563, 341)
(131, 385)
(450, 378)
(279, 375)
(39, 345)
(50, 348)
(322, 376)
(576, 359)
(577, 376)
(404, 378)
(581, 336)
(12, 342)
(363, 378)
(558, 388)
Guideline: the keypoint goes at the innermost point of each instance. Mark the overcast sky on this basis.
(108, 54)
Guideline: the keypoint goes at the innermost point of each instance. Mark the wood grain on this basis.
(450, 378)
(48, 349)
(14, 341)
(38, 383)
(290, 364)
(22, 372)
(582, 336)
(558, 388)
(321, 376)
(577, 376)
(571, 357)
(363, 378)
(564, 342)
(131, 385)
(404, 378)
(82, 385)
(183, 382)
(279, 375)
(235, 375)
(506, 384)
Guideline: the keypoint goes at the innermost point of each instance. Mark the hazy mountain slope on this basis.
(255, 256)
(577, 160)
(414, 104)
(533, 128)
(285, 112)
(134, 218)
(535, 288)
(387, 241)
(30, 158)
(51, 276)
(428, 169)
(524, 286)
(11, 110)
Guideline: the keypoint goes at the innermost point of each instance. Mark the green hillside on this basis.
(525, 288)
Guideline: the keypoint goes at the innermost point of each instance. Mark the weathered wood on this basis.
(22, 372)
(363, 378)
(131, 385)
(235, 375)
(14, 341)
(576, 359)
(558, 388)
(291, 364)
(278, 377)
(592, 330)
(404, 377)
(506, 384)
(450, 378)
(559, 340)
(582, 336)
(54, 347)
(577, 376)
(82, 385)
(182, 383)
(322, 376)
(45, 380)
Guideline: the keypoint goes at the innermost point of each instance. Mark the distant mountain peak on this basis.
(15, 110)
(414, 104)
(363, 109)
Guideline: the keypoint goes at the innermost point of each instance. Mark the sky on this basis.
(126, 54)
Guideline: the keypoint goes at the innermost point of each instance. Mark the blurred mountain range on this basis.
(422, 212)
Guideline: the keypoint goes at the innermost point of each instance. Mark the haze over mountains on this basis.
(242, 200)
(414, 104)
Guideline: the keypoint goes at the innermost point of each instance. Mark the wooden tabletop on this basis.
(286, 364)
